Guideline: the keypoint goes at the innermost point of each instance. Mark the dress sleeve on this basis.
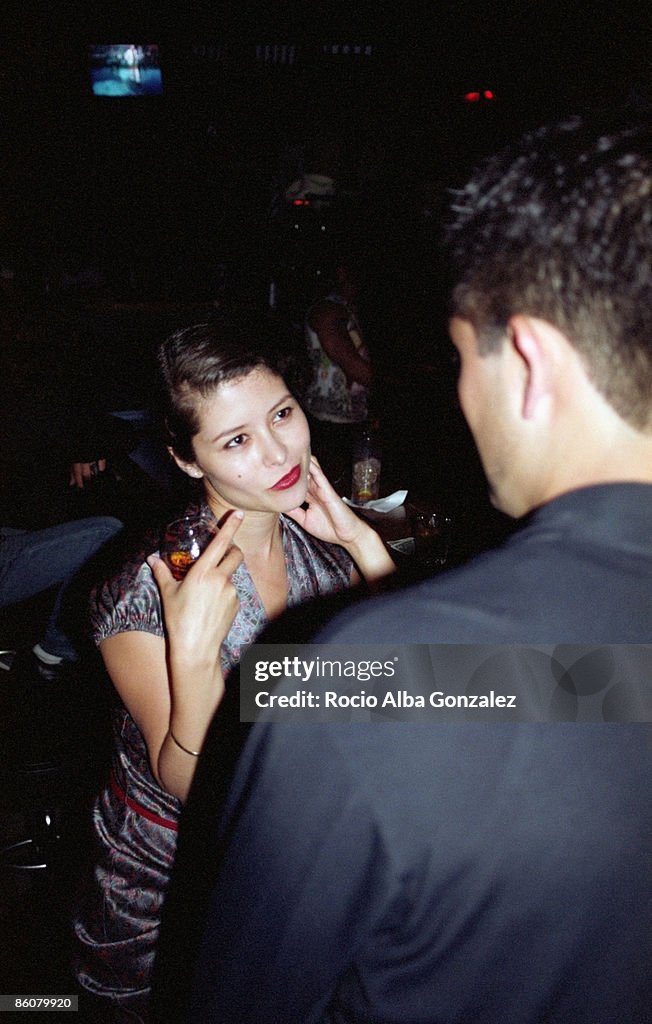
(127, 601)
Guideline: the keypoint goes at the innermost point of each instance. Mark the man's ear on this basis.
(535, 342)
(190, 468)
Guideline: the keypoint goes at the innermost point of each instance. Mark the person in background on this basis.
(34, 561)
(499, 871)
(284, 537)
(52, 445)
(337, 397)
(58, 440)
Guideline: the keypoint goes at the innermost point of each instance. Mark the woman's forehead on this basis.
(248, 395)
(260, 379)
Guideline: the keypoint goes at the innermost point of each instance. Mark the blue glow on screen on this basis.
(125, 69)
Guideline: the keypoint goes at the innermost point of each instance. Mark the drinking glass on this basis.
(183, 542)
(366, 466)
(432, 535)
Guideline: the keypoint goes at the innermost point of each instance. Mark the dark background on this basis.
(193, 172)
(178, 198)
(173, 198)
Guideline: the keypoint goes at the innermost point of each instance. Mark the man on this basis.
(484, 872)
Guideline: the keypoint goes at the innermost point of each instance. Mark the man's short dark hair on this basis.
(559, 226)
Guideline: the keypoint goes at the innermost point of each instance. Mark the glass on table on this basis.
(366, 480)
(432, 535)
(366, 465)
(184, 540)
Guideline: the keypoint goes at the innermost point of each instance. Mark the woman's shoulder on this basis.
(128, 599)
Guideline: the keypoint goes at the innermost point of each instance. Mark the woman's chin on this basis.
(295, 496)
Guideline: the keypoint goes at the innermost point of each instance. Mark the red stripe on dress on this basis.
(120, 793)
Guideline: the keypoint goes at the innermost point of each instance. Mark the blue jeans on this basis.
(32, 561)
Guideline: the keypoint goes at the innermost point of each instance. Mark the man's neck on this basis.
(620, 454)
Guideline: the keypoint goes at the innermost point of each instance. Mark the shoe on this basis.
(26, 668)
(45, 657)
(7, 659)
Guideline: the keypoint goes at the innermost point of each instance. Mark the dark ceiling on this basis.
(70, 158)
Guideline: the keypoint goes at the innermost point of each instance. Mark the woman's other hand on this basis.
(331, 519)
(327, 516)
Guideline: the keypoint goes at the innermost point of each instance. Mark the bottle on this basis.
(366, 464)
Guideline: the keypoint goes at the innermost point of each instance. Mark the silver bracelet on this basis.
(193, 753)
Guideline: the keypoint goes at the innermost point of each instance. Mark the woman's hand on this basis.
(327, 516)
(199, 610)
(331, 519)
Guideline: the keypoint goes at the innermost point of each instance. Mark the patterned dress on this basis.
(330, 395)
(135, 821)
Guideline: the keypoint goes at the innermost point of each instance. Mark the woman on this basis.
(284, 537)
(337, 398)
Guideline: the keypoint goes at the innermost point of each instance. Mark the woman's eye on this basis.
(283, 414)
(235, 442)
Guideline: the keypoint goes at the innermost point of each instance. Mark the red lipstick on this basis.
(289, 480)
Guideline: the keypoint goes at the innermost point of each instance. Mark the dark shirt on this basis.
(452, 874)
(578, 571)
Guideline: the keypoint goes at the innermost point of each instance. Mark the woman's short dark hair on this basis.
(196, 360)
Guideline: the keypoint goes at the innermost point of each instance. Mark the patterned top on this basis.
(130, 600)
(330, 396)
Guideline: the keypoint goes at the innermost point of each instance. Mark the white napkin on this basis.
(387, 504)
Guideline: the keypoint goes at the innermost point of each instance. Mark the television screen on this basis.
(125, 69)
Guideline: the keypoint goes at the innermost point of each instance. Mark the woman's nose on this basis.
(274, 453)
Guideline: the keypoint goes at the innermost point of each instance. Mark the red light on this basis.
(472, 97)
(301, 202)
(488, 95)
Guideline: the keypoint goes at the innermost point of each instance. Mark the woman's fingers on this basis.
(315, 469)
(231, 560)
(214, 552)
(316, 481)
(160, 572)
(319, 479)
(321, 489)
